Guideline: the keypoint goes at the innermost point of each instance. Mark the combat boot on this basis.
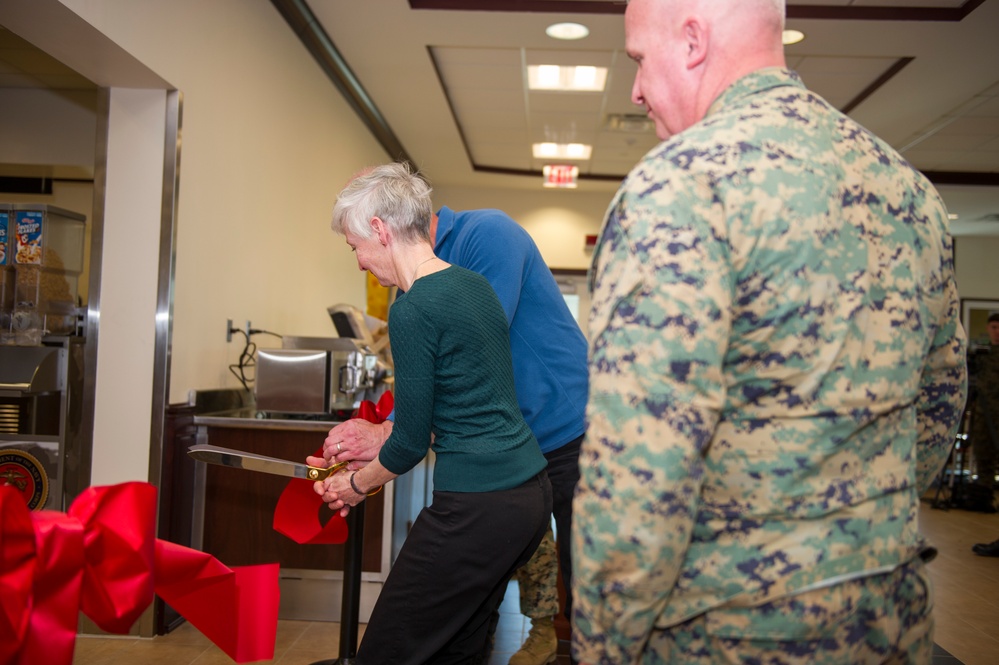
(541, 645)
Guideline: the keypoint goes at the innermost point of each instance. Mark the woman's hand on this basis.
(337, 492)
(348, 488)
(356, 441)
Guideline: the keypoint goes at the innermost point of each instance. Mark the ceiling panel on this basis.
(450, 82)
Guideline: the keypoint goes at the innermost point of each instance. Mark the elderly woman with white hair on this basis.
(454, 393)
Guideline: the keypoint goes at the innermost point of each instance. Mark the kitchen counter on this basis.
(234, 508)
(250, 418)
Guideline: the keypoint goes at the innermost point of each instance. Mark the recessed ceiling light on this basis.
(561, 150)
(581, 78)
(952, 215)
(567, 31)
(792, 37)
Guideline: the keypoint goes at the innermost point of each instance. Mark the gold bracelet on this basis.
(357, 490)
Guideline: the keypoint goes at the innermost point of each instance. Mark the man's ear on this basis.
(696, 34)
(381, 230)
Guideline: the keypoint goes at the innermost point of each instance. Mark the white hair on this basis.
(392, 192)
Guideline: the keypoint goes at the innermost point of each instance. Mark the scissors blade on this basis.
(238, 459)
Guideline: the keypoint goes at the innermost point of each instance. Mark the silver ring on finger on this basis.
(338, 449)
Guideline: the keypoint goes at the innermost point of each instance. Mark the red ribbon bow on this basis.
(297, 512)
(102, 558)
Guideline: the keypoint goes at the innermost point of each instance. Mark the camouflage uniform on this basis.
(985, 417)
(777, 371)
(538, 581)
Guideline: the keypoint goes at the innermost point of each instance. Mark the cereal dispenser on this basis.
(43, 260)
(43, 453)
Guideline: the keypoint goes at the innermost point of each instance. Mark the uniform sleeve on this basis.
(661, 293)
(943, 386)
(987, 385)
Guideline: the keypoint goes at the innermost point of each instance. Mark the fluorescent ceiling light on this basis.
(553, 77)
(548, 76)
(567, 31)
(583, 78)
(561, 150)
(792, 37)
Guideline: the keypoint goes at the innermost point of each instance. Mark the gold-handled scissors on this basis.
(238, 459)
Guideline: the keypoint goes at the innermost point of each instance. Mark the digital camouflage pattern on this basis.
(777, 369)
(537, 581)
(985, 416)
(880, 619)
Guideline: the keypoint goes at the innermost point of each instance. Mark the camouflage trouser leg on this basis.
(538, 581)
(984, 449)
(881, 620)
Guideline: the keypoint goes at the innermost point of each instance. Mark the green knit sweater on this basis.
(454, 378)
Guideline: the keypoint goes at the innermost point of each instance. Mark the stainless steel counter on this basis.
(249, 418)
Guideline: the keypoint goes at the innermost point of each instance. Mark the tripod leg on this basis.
(351, 600)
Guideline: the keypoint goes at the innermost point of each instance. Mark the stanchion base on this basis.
(335, 661)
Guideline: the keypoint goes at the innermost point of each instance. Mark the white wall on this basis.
(48, 127)
(267, 141)
(976, 261)
(558, 220)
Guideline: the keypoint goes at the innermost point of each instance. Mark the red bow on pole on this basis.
(102, 558)
(297, 512)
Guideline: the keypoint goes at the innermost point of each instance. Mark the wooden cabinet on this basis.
(229, 513)
(239, 506)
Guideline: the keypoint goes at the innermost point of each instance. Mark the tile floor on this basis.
(967, 613)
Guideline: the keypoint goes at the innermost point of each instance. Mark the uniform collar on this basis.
(754, 83)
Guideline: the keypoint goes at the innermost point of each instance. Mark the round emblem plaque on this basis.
(24, 473)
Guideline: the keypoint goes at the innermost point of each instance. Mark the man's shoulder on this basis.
(487, 228)
(479, 219)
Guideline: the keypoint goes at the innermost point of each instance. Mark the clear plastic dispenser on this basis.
(43, 260)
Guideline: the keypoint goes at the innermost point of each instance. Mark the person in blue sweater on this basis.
(549, 357)
(454, 393)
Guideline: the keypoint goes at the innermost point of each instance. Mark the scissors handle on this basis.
(318, 473)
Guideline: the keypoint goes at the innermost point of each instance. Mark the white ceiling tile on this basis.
(451, 55)
(970, 125)
(501, 101)
(564, 102)
(476, 77)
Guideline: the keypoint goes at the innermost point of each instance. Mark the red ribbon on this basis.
(297, 512)
(102, 558)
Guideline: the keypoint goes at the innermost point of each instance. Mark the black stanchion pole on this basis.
(351, 602)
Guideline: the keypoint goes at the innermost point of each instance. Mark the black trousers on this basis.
(563, 471)
(452, 573)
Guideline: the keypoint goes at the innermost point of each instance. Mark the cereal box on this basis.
(28, 239)
(4, 237)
